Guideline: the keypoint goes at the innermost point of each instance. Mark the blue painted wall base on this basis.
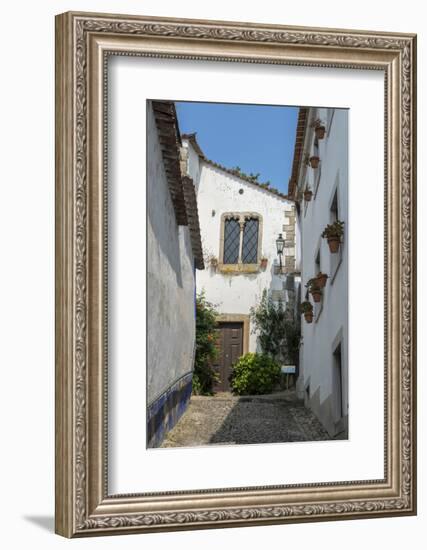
(166, 410)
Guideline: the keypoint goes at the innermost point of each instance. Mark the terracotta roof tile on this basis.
(298, 150)
(170, 140)
(181, 188)
(193, 221)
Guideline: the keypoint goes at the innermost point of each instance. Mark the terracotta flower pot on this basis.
(264, 263)
(317, 295)
(320, 132)
(314, 162)
(334, 244)
(308, 195)
(308, 316)
(321, 280)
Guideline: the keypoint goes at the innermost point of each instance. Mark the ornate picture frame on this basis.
(83, 43)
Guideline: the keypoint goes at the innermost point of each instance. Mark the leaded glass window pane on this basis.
(250, 242)
(231, 241)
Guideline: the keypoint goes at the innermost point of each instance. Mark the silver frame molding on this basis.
(83, 43)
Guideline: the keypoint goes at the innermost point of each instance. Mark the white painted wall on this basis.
(316, 357)
(193, 164)
(218, 193)
(171, 282)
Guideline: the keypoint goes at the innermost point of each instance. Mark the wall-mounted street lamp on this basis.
(280, 243)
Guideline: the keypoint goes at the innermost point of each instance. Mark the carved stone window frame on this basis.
(239, 267)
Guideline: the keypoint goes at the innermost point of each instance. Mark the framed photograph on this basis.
(235, 274)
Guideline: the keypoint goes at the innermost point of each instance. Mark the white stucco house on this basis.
(323, 376)
(174, 253)
(240, 221)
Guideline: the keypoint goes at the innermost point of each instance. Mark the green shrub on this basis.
(278, 331)
(204, 376)
(254, 374)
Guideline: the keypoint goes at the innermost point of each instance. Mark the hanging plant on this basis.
(319, 128)
(308, 193)
(213, 262)
(264, 262)
(314, 161)
(333, 233)
(315, 291)
(321, 279)
(306, 309)
(311, 160)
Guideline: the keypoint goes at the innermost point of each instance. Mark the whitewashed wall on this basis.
(171, 282)
(218, 192)
(193, 165)
(320, 337)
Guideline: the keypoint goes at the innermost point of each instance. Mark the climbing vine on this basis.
(204, 376)
(278, 331)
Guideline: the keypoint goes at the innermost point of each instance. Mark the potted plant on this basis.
(314, 161)
(264, 262)
(333, 233)
(319, 128)
(314, 289)
(213, 262)
(307, 310)
(308, 193)
(321, 279)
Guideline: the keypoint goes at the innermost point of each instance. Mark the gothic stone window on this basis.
(250, 241)
(231, 241)
(240, 239)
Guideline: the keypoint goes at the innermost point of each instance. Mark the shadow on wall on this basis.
(171, 248)
(163, 226)
(46, 523)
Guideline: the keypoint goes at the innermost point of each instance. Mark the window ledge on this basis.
(239, 268)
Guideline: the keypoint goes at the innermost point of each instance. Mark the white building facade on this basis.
(240, 221)
(323, 377)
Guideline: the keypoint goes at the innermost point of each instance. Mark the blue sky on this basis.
(256, 138)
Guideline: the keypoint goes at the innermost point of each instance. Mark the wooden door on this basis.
(230, 343)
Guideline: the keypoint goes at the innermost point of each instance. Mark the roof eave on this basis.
(298, 151)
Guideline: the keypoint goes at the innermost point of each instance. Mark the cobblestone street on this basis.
(227, 419)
